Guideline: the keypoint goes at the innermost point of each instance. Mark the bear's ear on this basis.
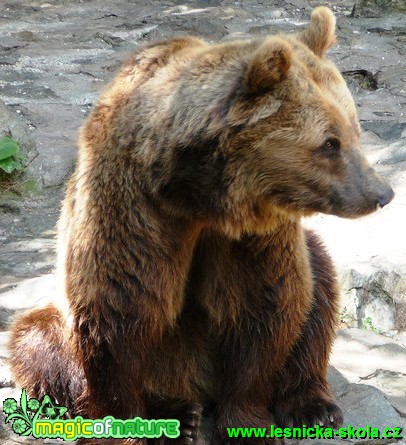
(320, 34)
(269, 64)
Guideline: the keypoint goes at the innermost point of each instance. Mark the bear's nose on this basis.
(385, 197)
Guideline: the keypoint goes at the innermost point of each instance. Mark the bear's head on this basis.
(268, 126)
(306, 155)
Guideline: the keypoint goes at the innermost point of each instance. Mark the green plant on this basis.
(367, 324)
(11, 158)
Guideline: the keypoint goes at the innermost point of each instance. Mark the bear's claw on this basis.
(189, 417)
(312, 413)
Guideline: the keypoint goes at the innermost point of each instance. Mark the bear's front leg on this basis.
(253, 353)
(120, 362)
(261, 300)
(247, 389)
(113, 355)
(304, 396)
(116, 371)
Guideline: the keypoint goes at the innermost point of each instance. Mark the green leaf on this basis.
(14, 416)
(23, 401)
(27, 432)
(8, 147)
(9, 165)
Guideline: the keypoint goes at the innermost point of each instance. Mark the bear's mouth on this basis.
(355, 204)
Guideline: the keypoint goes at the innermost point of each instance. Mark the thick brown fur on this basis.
(187, 276)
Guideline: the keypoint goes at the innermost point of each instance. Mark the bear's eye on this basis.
(331, 147)
(332, 144)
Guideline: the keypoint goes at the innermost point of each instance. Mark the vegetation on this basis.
(11, 159)
(11, 162)
(367, 324)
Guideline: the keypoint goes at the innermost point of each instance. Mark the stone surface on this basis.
(6, 379)
(358, 353)
(393, 384)
(364, 357)
(364, 405)
(377, 8)
(373, 297)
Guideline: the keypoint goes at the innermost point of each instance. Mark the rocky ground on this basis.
(55, 57)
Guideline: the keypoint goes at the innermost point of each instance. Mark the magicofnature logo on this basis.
(23, 417)
(45, 419)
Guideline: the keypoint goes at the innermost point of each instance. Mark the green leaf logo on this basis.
(23, 416)
(50, 410)
(22, 419)
(10, 406)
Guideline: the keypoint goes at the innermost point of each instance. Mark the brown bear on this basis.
(187, 276)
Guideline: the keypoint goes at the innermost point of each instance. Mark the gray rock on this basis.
(29, 293)
(6, 379)
(211, 29)
(395, 154)
(394, 386)
(362, 356)
(339, 384)
(360, 79)
(392, 77)
(28, 258)
(377, 8)
(358, 353)
(388, 130)
(365, 405)
(374, 298)
(26, 295)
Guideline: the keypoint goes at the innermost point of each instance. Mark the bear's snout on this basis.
(384, 196)
(375, 190)
(362, 190)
